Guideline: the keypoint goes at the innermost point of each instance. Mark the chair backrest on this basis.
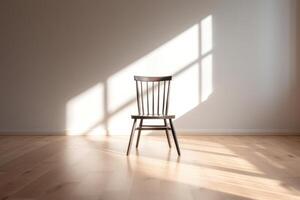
(153, 94)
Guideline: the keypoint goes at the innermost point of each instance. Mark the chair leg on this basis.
(131, 136)
(139, 134)
(174, 136)
(167, 134)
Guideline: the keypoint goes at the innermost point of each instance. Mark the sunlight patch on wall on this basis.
(185, 91)
(206, 35)
(96, 111)
(120, 122)
(171, 57)
(206, 77)
(85, 111)
(206, 58)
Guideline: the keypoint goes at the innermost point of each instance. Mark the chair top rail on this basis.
(152, 78)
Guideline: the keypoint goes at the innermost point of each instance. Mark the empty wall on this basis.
(61, 63)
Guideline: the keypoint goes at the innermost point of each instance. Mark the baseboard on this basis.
(183, 132)
(31, 133)
(238, 132)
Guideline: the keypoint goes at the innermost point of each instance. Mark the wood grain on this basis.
(96, 167)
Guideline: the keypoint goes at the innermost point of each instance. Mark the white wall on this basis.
(62, 62)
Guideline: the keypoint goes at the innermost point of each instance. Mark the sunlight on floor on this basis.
(210, 162)
(216, 172)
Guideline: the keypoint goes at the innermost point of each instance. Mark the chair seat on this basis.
(152, 116)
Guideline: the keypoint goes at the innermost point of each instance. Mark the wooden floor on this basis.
(211, 167)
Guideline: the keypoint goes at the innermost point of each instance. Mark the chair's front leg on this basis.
(131, 136)
(139, 134)
(174, 136)
(167, 133)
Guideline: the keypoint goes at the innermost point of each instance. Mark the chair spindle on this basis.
(138, 97)
(158, 97)
(163, 106)
(142, 98)
(147, 98)
(168, 94)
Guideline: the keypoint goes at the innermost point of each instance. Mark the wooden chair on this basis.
(153, 102)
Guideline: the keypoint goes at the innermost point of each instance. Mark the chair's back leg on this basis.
(167, 133)
(139, 134)
(174, 136)
(131, 136)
